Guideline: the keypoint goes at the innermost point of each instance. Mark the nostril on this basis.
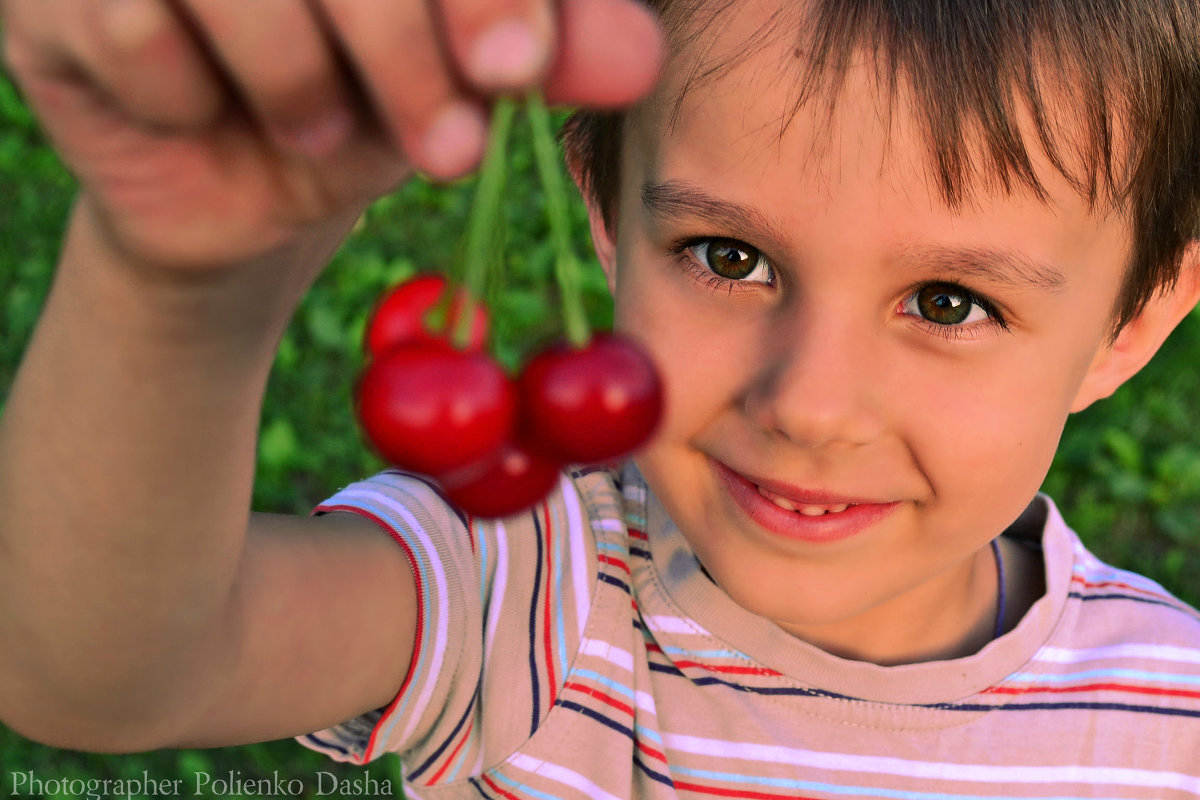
(814, 406)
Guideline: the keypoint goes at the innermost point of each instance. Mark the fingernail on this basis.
(454, 141)
(508, 54)
(318, 137)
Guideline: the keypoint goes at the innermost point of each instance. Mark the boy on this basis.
(879, 255)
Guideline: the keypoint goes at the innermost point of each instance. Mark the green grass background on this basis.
(1127, 475)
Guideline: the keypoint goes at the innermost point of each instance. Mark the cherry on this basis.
(399, 317)
(591, 404)
(431, 402)
(430, 408)
(511, 480)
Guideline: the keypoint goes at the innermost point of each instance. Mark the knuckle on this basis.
(274, 52)
(135, 26)
(30, 44)
(216, 18)
(188, 104)
(295, 87)
(16, 55)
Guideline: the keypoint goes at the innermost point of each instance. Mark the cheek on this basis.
(699, 348)
(987, 431)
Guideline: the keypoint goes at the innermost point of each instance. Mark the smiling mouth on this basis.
(810, 515)
(803, 508)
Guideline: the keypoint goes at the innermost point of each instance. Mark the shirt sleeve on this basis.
(503, 606)
(436, 540)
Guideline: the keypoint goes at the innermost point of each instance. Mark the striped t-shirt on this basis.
(579, 651)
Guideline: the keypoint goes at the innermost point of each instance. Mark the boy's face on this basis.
(864, 365)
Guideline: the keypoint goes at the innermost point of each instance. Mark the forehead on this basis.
(747, 119)
(1005, 122)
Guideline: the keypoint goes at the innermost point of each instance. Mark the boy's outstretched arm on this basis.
(223, 150)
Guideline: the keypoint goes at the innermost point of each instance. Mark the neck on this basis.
(951, 618)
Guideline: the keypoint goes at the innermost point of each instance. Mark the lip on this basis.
(861, 514)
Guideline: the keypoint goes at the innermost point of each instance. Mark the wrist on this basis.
(252, 296)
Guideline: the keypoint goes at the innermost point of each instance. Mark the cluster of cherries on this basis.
(432, 400)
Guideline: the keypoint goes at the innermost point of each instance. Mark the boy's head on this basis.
(879, 261)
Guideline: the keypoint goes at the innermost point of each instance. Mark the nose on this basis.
(821, 380)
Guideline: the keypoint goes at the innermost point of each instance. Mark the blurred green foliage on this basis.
(1127, 475)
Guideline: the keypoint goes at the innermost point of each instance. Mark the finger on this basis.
(276, 55)
(499, 44)
(395, 50)
(609, 55)
(143, 57)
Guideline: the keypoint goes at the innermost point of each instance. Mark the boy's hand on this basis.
(207, 132)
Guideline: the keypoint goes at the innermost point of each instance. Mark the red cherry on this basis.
(430, 408)
(591, 404)
(512, 480)
(399, 317)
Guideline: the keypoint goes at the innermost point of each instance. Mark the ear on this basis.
(1140, 339)
(603, 241)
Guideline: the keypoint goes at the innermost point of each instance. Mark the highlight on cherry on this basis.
(410, 312)
(432, 399)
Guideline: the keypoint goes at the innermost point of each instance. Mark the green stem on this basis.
(485, 215)
(566, 267)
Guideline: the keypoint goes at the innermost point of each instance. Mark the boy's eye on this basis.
(946, 304)
(732, 259)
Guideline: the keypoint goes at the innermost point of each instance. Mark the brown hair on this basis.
(1130, 70)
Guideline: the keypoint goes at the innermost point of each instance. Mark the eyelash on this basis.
(683, 257)
(956, 332)
(697, 271)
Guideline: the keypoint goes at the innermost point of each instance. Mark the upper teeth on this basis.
(806, 510)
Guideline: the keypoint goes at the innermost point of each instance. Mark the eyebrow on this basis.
(997, 265)
(673, 199)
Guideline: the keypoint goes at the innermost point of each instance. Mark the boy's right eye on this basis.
(732, 260)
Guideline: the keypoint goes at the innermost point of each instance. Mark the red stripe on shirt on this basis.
(1118, 585)
(450, 759)
(1093, 687)
(731, 670)
(746, 793)
(492, 784)
(727, 670)
(616, 562)
(601, 696)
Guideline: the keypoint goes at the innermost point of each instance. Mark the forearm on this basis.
(127, 451)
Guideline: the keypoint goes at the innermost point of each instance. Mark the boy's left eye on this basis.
(947, 304)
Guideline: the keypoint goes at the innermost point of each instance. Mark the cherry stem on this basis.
(479, 247)
(566, 267)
